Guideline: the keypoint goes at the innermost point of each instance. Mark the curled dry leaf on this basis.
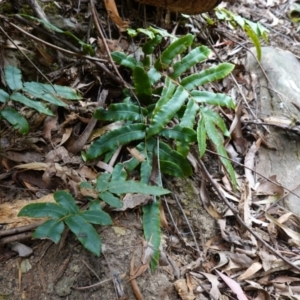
(249, 163)
(255, 267)
(204, 195)
(223, 260)
(291, 233)
(183, 290)
(270, 187)
(244, 204)
(22, 249)
(50, 124)
(66, 135)
(267, 259)
(214, 291)
(235, 287)
(240, 143)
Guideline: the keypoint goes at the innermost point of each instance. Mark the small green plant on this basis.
(86, 48)
(163, 92)
(30, 94)
(163, 95)
(108, 188)
(66, 212)
(254, 30)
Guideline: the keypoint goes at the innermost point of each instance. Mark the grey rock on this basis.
(276, 96)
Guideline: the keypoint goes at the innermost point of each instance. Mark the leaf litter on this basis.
(230, 254)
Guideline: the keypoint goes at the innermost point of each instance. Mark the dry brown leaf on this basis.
(267, 259)
(113, 45)
(249, 164)
(285, 279)
(50, 124)
(226, 194)
(66, 135)
(272, 231)
(270, 187)
(44, 57)
(148, 253)
(26, 157)
(214, 291)
(195, 264)
(287, 290)
(204, 195)
(234, 286)
(255, 267)
(279, 121)
(88, 173)
(9, 212)
(183, 291)
(30, 186)
(101, 131)
(113, 13)
(262, 295)
(230, 237)
(285, 217)
(133, 282)
(254, 284)
(136, 154)
(223, 260)
(240, 259)
(291, 233)
(86, 192)
(38, 166)
(240, 143)
(59, 154)
(163, 219)
(244, 204)
(193, 161)
(234, 156)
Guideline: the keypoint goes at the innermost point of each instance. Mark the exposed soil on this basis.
(59, 271)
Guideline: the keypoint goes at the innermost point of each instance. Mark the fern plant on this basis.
(177, 98)
(30, 94)
(163, 92)
(64, 212)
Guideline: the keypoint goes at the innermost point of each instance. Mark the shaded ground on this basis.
(57, 271)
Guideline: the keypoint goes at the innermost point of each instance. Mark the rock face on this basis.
(278, 97)
(191, 7)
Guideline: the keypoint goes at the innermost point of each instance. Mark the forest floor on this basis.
(201, 236)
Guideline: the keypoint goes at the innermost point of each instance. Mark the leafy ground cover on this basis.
(154, 108)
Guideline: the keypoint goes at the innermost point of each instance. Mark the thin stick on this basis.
(188, 224)
(240, 220)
